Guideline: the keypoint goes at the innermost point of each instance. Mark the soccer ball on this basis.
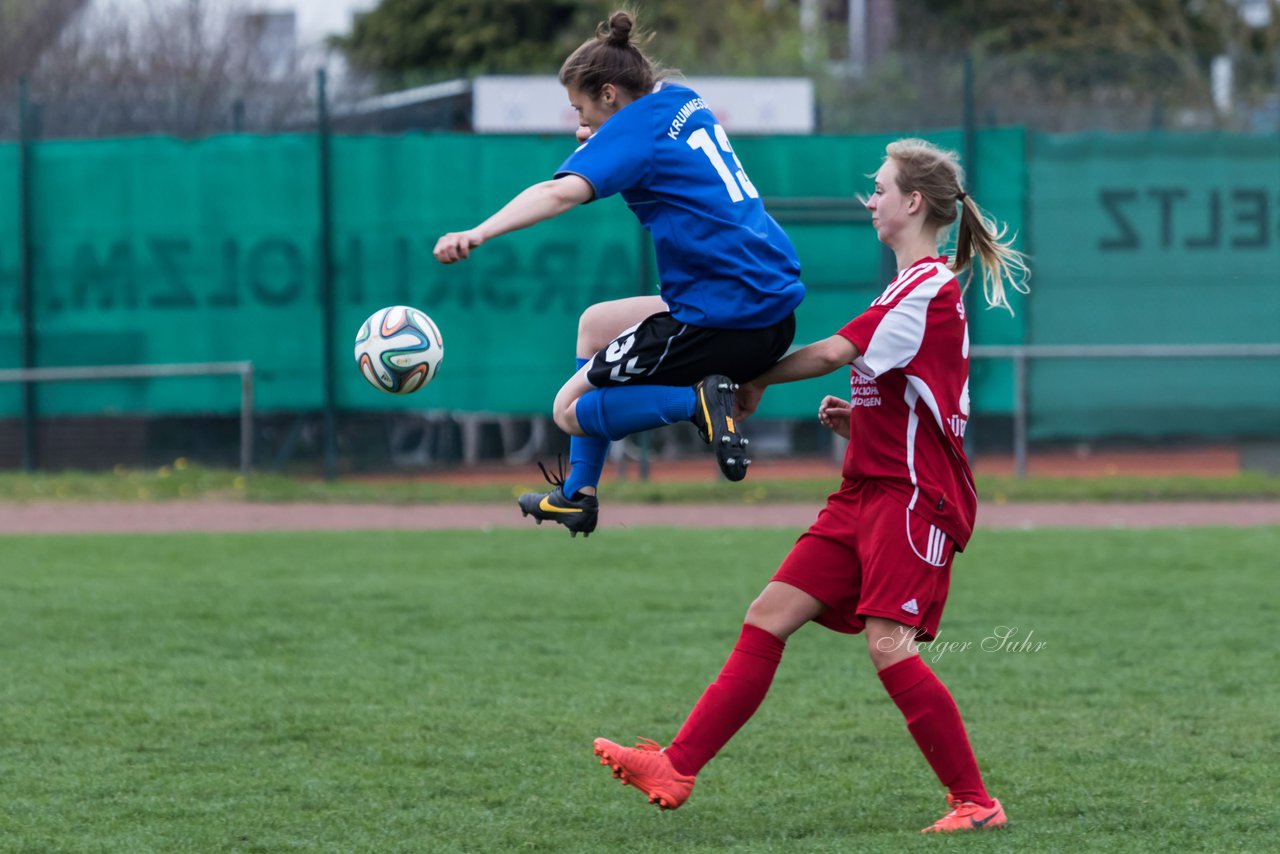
(398, 349)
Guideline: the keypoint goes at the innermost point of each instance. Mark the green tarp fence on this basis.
(153, 250)
(1155, 239)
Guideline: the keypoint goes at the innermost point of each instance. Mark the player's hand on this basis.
(746, 399)
(833, 413)
(456, 246)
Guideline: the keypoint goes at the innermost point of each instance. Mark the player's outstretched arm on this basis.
(532, 205)
(816, 360)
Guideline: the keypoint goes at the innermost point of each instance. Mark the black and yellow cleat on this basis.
(713, 416)
(579, 514)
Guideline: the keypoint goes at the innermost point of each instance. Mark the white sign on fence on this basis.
(744, 105)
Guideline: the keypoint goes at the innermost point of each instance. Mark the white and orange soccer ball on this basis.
(398, 349)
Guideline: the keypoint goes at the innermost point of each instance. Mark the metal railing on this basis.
(114, 372)
(1023, 354)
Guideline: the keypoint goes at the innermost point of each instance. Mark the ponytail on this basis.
(1002, 265)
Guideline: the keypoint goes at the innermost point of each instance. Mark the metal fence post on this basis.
(1020, 405)
(326, 283)
(646, 281)
(970, 125)
(26, 276)
(246, 418)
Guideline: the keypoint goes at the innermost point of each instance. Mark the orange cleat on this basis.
(647, 768)
(966, 815)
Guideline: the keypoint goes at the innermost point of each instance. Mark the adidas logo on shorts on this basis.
(911, 607)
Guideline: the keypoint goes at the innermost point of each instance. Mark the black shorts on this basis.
(661, 350)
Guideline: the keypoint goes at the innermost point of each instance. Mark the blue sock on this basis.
(620, 411)
(586, 458)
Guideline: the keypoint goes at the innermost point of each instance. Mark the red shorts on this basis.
(868, 556)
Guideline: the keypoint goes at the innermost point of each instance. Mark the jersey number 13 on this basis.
(736, 181)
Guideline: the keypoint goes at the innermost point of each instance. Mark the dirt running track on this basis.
(141, 517)
(87, 517)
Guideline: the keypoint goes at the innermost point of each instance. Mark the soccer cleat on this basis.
(713, 416)
(647, 768)
(966, 815)
(579, 515)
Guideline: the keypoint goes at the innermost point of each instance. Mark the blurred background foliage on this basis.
(193, 67)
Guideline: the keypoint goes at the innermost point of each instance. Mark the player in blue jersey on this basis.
(729, 276)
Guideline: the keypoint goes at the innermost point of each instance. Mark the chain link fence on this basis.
(1057, 94)
(904, 92)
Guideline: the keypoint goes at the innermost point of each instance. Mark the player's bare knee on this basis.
(780, 609)
(564, 414)
(772, 615)
(888, 645)
(590, 336)
(758, 611)
(560, 417)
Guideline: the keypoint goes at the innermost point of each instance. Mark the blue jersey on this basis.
(722, 260)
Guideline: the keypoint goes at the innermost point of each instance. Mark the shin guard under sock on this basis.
(934, 722)
(729, 702)
(587, 455)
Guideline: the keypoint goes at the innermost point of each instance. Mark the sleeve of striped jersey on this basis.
(889, 336)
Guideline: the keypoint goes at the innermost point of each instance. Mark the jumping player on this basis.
(878, 558)
(729, 276)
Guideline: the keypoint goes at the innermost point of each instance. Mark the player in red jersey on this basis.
(878, 558)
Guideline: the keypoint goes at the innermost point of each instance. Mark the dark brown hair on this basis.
(612, 56)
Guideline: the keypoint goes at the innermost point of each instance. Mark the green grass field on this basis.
(349, 692)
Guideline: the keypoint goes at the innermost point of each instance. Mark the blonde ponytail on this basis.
(1002, 265)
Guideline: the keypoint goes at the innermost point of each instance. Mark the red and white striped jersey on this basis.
(910, 395)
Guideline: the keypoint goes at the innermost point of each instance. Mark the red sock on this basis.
(729, 702)
(935, 723)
